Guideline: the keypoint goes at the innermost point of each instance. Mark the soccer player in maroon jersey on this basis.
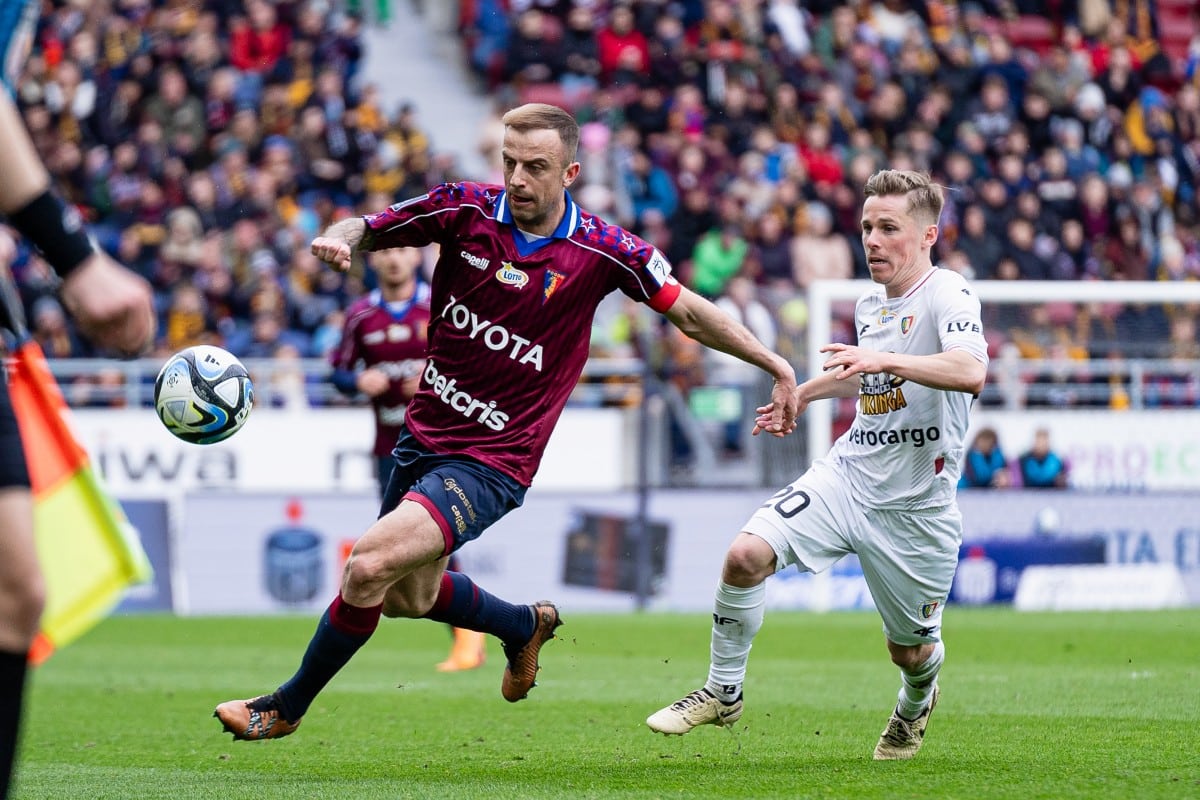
(382, 355)
(520, 274)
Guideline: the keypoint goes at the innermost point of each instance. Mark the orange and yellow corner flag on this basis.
(89, 552)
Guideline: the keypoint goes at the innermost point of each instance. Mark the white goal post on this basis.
(823, 294)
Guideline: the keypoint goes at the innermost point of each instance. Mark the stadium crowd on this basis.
(206, 143)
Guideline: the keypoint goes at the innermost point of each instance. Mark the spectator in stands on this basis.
(818, 251)
(179, 114)
(1058, 78)
(621, 46)
(983, 248)
(51, 332)
(534, 52)
(772, 253)
(1124, 255)
(719, 255)
(580, 54)
(258, 41)
(1041, 467)
(186, 319)
(741, 302)
(984, 464)
(650, 189)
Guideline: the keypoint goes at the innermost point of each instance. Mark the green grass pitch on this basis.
(1033, 706)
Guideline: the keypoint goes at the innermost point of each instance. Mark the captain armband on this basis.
(56, 229)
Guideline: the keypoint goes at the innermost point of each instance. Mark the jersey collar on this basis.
(566, 227)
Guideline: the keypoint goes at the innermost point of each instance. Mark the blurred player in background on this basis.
(520, 274)
(381, 355)
(887, 489)
(110, 304)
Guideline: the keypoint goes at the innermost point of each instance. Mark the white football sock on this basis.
(737, 617)
(916, 687)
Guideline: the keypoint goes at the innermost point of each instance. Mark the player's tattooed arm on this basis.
(339, 240)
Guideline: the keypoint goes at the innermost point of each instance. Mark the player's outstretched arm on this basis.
(950, 370)
(712, 327)
(337, 243)
(824, 386)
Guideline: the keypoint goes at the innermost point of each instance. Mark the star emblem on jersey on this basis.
(553, 280)
(627, 242)
(588, 224)
(906, 324)
(511, 276)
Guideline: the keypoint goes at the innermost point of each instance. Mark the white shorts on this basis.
(908, 557)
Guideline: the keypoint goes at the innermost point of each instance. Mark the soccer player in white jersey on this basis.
(886, 491)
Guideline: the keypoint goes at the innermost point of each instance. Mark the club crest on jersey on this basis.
(511, 276)
(553, 280)
(886, 315)
(906, 324)
(928, 609)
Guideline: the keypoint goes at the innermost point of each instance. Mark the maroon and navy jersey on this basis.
(394, 342)
(511, 319)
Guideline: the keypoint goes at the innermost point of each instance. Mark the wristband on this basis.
(56, 230)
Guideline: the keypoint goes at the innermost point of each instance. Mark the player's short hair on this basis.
(545, 117)
(925, 198)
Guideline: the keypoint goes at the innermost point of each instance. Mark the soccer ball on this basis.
(203, 394)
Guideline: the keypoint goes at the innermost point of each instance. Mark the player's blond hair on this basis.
(545, 117)
(925, 198)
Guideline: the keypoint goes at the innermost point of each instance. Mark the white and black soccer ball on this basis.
(203, 394)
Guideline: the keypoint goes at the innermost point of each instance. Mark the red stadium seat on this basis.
(549, 92)
(1032, 33)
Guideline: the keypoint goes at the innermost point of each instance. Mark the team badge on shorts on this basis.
(928, 609)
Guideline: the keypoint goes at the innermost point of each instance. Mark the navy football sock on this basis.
(342, 630)
(464, 605)
(13, 667)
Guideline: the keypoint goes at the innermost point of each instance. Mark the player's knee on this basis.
(748, 561)
(367, 569)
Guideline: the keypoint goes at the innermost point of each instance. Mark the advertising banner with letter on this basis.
(275, 552)
(318, 450)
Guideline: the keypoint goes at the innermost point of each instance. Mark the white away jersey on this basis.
(905, 447)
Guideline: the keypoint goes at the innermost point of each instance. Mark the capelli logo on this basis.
(478, 262)
(511, 276)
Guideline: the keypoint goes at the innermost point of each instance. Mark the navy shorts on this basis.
(13, 471)
(463, 495)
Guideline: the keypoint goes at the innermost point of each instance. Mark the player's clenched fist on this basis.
(334, 252)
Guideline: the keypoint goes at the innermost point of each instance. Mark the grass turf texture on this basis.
(1033, 706)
